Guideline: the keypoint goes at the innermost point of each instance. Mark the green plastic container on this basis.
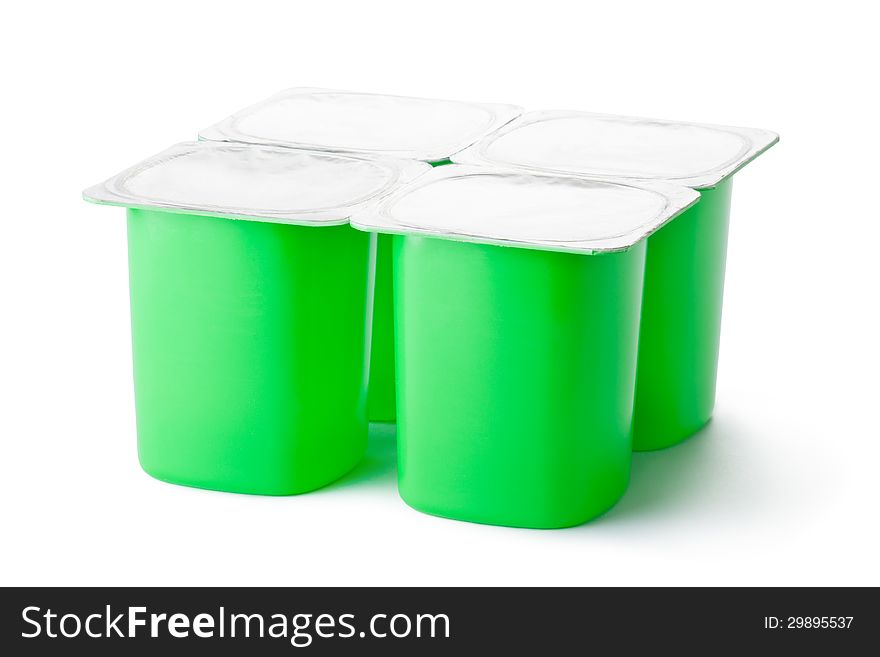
(684, 281)
(250, 333)
(381, 406)
(681, 323)
(517, 371)
(425, 129)
(517, 334)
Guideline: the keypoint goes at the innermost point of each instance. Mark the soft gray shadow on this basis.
(673, 478)
(713, 469)
(378, 468)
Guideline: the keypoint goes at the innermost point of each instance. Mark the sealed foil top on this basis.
(509, 208)
(240, 181)
(600, 145)
(375, 124)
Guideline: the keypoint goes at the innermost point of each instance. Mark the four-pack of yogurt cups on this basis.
(529, 296)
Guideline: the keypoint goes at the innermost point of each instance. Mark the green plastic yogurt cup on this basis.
(517, 324)
(684, 281)
(251, 303)
(426, 129)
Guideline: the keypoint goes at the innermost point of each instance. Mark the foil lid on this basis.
(375, 124)
(600, 145)
(240, 181)
(511, 208)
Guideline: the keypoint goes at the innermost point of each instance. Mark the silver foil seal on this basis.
(240, 181)
(620, 147)
(372, 124)
(510, 208)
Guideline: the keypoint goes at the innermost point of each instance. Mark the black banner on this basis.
(419, 621)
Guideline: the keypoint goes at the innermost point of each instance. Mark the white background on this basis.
(781, 489)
